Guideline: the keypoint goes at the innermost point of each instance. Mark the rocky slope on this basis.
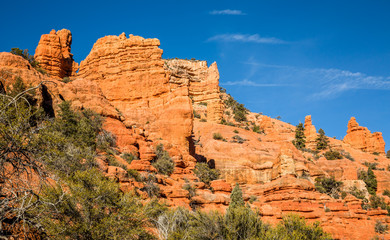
(149, 101)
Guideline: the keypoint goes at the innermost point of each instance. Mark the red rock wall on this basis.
(53, 54)
(361, 138)
(202, 82)
(130, 73)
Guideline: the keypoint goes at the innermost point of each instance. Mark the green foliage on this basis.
(379, 202)
(371, 165)
(203, 103)
(388, 154)
(163, 162)
(203, 120)
(329, 186)
(239, 111)
(150, 187)
(68, 143)
(257, 129)
(333, 155)
(359, 194)
(205, 173)
(133, 173)
(196, 115)
(238, 139)
(322, 141)
(190, 188)
(370, 179)
(128, 157)
(295, 228)
(237, 224)
(236, 199)
(376, 153)
(380, 227)
(24, 53)
(217, 136)
(300, 139)
(386, 192)
(252, 198)
(236, 131)
(93, 207)
(66, 79)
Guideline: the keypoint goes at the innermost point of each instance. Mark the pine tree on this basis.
(300, 139)
(236, 199)
(322, 140)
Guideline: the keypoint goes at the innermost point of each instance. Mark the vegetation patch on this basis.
(163, 162)
(333, 155)
(205, 173)
(328, 186)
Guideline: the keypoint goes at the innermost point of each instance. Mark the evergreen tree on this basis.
(236, 199)
(370, 179)
(300, 139)
(322, 140)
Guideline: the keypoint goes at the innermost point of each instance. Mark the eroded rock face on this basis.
(53, 54)
(130, 73)
(202, 83)
(310, 133)
(361, 138)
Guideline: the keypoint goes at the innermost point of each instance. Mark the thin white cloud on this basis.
(320, 83)
(248, 83)
(227, 12)
(254, 38)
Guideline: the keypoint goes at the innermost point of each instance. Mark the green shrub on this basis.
(238, 139)
(300, 139)
(196, 115)
(163, 162)
(380, 227)
(93, 207)
(66, 79)
(379, 202)
(24, 53)
(322, 140)
(329, 186)
(333, 155)
(386, 192)
(128, 157)
(357, 193)
(236, 199)
(236, 131)
(370, 179)
(371, 165)
(191, 190)
(203, 120)
(217, 136)
(257, 129)
(133, 173)
(239, 111)
(388, 154)
(203, 103)
(205, 173)
(347, 155)
(376, 153)
(152, 189)
(252, 198)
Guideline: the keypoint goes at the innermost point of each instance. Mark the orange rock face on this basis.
(202, 83)
(361, 138)
(53, 54)
(130, 73)
(310, 133)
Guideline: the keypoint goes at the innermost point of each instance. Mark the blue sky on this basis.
(330, 59)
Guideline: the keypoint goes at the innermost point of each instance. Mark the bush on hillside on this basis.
(328, 186)
(205, 173)
(369, 179)
(333, 155)
(163, 162)
(300, 139)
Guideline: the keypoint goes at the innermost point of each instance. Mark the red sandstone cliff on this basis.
(202, 83)
(147, 103)
(361, 138)
(53, 54)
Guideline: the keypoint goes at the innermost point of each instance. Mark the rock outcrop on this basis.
(310, 133)
(361, 138)
(53, 54)
(130, 73)
(202, 83)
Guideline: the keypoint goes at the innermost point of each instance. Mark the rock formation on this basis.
(310, 133)
(361, 138)
(53, 54)
(146, 103)
(130, 73)
(202, 83)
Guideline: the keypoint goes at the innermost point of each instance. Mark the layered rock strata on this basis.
(53, 54)
(130, 73)
(202, 83)
(361, 138)
(310, 133)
